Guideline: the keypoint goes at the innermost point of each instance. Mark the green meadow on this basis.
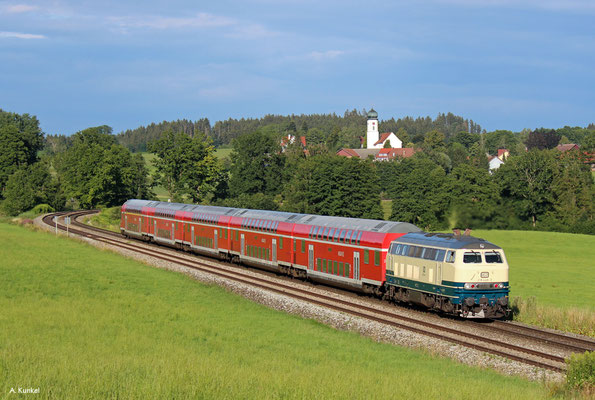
(552, 277)
(80, 323)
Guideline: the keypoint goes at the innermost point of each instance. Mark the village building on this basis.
(376, 142)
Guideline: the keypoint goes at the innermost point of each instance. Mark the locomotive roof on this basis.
(296, 218)
(447, 240)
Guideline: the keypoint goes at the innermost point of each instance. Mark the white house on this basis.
(376, 141)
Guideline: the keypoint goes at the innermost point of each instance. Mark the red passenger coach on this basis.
(347, 252)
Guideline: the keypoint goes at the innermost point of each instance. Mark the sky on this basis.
(506, 64)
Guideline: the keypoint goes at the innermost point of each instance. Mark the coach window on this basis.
(376, 257)
(315, 233)
(311, 230)
(303, 246)
(280, 242)
(319, 264)
(359, 237)
(366, 257)
(342, 236)
(324, 265)
(331, 233)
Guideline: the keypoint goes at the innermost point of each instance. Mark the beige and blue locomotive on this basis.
(457, 274)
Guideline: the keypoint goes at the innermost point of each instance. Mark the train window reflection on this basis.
(472, 257)
(493, 257)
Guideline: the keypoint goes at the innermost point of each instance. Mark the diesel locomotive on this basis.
(453, 273)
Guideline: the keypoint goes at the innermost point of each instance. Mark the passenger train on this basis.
(456, 274)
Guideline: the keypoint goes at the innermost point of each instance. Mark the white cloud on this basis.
(201, 20)
(19, 35)
(19, 8)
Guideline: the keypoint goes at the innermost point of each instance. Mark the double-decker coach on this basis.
(347, 252)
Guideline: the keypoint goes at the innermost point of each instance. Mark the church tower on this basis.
(372, 135)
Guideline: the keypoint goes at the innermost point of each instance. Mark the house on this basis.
(390, 154)
(503, 154)
(566, 147)
(290, 139)
(494, 163)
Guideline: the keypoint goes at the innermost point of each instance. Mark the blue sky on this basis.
(506, 64)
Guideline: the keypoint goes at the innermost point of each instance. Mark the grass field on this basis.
(80, 323)
(553, 274)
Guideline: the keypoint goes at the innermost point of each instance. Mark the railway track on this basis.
(500, 347)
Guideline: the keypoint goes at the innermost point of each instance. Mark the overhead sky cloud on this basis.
(19, 8)
(19, 35)
(201, 20)
(117, 63)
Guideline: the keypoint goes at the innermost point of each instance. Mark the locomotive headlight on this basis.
(468, 286)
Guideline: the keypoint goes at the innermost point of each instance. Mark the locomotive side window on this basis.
(493, 257)
(450, 256)
(440, 255)
(472, 257)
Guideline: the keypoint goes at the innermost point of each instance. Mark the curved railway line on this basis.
(497, 338)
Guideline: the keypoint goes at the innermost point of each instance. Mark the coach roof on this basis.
(362, 224)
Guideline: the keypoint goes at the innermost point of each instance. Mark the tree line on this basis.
(445, 185)
(333, 130)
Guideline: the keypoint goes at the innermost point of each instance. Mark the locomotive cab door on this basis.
(310, 256)
(356, 265)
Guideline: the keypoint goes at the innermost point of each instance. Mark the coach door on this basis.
(310, 256)
(216, 241)
(242, 243)
(356, 265)
(275, 251)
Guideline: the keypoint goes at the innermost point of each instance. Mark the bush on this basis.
(581, 371)
(42, 209)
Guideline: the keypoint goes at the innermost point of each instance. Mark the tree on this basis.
(20, 139)
(387, 145)
(573, 193)
(526, 181)
(96, 170)
(336, 186)
(31, 185)
(457, 153)
(403, 136)
(418, 188)
(542, 139)
(434, 141)
(257, 165)
(185, 165)
(465, 138)
(474, 197)
(501, 139)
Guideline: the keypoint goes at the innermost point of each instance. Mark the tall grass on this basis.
(80, 323)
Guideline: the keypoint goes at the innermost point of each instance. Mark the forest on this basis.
(445, 185)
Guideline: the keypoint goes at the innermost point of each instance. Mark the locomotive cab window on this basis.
(472, 257)
(450, 256)
(493, 257)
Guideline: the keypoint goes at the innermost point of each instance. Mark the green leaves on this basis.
(185, 166)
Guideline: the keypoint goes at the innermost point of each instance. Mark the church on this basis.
(375, 143)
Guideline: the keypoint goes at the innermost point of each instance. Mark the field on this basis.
(82, 323)
(554, 272)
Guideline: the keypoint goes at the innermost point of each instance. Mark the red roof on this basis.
(383, 137)
(566, 147)
(389, 154)
(347, 153)
(502, 152)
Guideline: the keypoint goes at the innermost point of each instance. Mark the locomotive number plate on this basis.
(485, 274)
